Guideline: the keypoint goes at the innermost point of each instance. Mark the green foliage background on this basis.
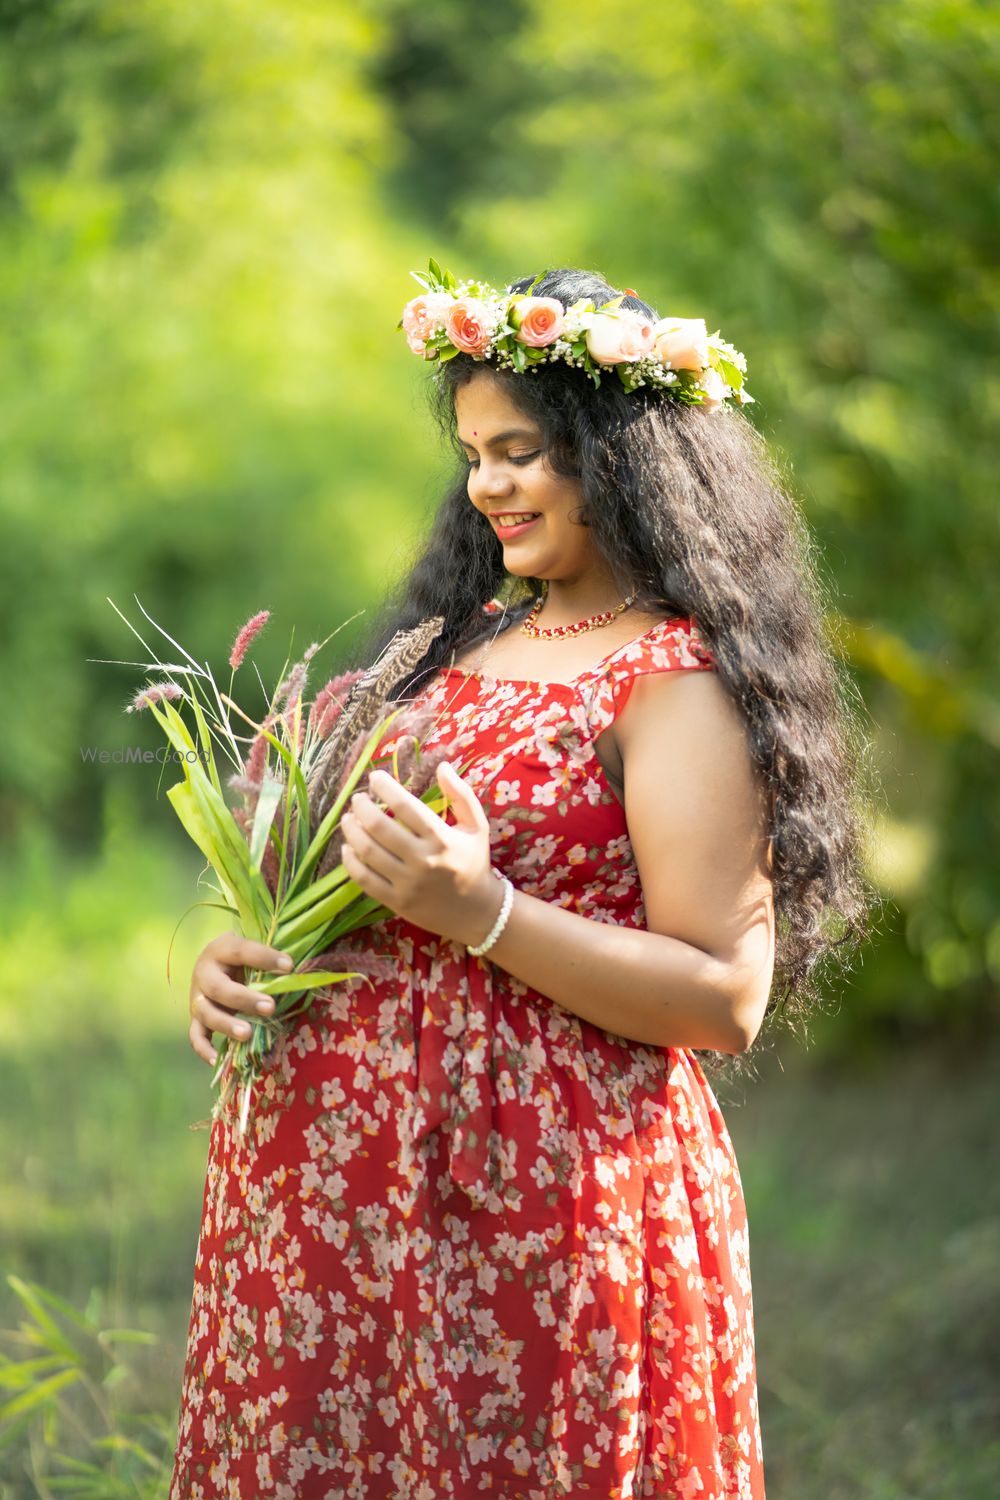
(207, 216)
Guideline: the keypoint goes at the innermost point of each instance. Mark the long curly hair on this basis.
(690, 510)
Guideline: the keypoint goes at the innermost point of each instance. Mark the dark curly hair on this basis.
(690, 510)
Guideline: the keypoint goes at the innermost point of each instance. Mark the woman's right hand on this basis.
(217, 999)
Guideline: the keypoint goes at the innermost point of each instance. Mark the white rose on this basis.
(715, 388)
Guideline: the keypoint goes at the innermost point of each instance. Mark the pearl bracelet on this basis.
(501, 921)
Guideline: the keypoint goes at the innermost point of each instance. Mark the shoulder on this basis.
(686, 761)
(676, 698)
(665, 706)
(673, 648)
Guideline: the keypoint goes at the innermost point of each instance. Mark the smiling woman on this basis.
(489, 1234)
(523, 498)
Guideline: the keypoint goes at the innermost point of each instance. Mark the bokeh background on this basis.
(207, 216)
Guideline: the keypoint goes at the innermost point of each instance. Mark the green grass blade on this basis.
(317, 915)
(297, 780)
(313, 893)
(208, 757)
(15, 1373)
(126, 1336)
(175, 729)
(329, 823)
(267, 804)
(285, 984)
(39, 1395)
(32, 1298)
(233, 851)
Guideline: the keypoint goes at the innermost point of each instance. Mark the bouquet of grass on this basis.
(275, 858)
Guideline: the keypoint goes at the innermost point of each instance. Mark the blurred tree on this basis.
(446, 71)
(196, 276)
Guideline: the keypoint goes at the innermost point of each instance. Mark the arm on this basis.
(700, 975)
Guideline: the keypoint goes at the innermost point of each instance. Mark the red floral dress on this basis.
(473, 1245)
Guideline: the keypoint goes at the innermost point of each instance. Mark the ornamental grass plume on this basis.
(249, 633)
(154, 692)
(328, 704)
(276, 858)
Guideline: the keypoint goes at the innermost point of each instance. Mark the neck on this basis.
(569, 600)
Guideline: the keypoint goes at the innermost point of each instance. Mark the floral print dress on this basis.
(473, 1245)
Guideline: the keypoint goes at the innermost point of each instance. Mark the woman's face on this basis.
(530, 507)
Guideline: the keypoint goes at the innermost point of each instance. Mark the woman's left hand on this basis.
(432, 873)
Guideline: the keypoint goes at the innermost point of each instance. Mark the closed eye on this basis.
(514, 458)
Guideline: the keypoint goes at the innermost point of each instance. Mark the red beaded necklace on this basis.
(554, 632)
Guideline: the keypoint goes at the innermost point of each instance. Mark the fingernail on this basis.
(284, 962)
(214, 1057)
(264, 1005)
(242, 1029)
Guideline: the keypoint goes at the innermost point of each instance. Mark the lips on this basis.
(514, 528)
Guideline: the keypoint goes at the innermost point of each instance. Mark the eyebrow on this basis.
(505, 437)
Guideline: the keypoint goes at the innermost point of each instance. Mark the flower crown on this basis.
(520, 332)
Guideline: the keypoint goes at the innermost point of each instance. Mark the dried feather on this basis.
(365, 707)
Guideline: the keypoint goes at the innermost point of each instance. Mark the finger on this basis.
(218, 986)
(468, 808)
(371, 854)
(371, 882)
(412, 813)
(212, 1018)
(233, 948)
(391, 833)
(201, 1042)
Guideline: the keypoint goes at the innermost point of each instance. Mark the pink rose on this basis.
(681, 343)
(618, 336)
(538, 320)
(423, 316)
(469, 325)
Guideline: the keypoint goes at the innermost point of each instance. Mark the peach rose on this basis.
(615, 337)
(681, 343)
(469, 325)
(538, 320)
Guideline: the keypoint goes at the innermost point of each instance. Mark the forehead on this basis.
(483, 408)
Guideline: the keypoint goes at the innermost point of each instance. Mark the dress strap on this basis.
(674, 645)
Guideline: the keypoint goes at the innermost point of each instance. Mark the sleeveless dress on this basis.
(473, 1245)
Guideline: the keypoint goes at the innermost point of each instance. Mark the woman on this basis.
(490, 1236)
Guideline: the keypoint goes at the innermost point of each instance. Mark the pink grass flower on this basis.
(249, 633)
(257, 759)
(154, 692)
(288, 720)
(344, 956)
(424, 773)
(329, 702)
(290, 691)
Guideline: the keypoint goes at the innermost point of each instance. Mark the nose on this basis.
(489, 481)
